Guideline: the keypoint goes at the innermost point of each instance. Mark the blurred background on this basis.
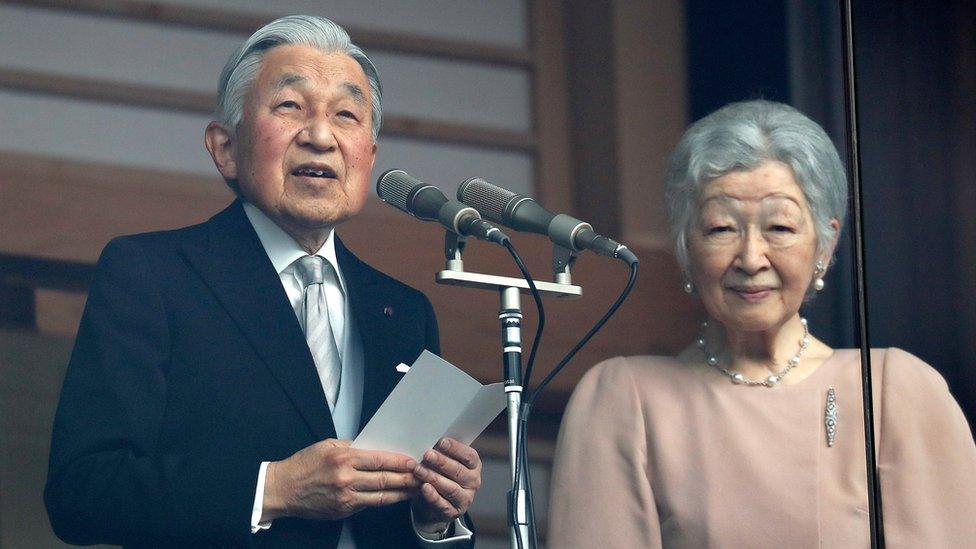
(103, 104)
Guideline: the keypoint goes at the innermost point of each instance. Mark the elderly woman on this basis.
(753, 435)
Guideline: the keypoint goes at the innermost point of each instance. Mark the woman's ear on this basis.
(829, 252)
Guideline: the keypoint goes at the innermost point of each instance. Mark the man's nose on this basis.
(318, 133)
(752, 256)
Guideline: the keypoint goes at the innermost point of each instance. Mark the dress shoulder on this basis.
(638, 366)
(614, 373)
(915, 393)
(926, 456)
(600, 492)
(903, 370)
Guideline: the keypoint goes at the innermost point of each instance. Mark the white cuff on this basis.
(258, 509)
(461, 538)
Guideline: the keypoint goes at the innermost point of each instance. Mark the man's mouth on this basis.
(306, 171)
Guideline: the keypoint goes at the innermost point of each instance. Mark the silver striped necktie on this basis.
(312, 272)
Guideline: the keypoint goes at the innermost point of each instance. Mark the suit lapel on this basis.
(369, 297)
(234, 265)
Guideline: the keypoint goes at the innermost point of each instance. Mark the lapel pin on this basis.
(402, 368)
(388, 311)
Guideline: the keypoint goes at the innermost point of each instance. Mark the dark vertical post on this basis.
(860, 289)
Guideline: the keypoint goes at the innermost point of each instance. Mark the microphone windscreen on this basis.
(394, 186)
(490, 200)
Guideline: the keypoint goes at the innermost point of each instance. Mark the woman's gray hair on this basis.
(308, 30)
(741, 137)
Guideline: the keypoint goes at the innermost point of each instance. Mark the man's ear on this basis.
(372, 160)
(221, 143)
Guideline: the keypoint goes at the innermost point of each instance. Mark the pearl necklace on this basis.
(770, 381)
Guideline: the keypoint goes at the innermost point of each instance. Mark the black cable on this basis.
(521, 434)
(538, 305)
(520, 454)
(596, 327)
(522, 448)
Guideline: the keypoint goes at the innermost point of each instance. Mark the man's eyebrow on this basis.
(357, 93)
(289, 79)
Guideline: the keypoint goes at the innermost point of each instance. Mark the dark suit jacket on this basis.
(189, 369)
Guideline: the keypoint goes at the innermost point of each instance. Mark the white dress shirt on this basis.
(283, 252)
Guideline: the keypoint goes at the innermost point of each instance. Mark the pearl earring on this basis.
(818, 283)
(689, 287)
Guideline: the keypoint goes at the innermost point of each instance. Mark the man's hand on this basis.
(330, 481)
(451, 474)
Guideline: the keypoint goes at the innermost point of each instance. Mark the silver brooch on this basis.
(830, 416)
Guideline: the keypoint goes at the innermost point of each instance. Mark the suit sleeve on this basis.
(926, 459)
(600, 491)
(108, 481)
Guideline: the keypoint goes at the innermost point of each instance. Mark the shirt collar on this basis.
(281, 248)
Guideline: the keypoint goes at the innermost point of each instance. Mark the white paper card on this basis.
(433, 400)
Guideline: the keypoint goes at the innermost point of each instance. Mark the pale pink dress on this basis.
(653, 453)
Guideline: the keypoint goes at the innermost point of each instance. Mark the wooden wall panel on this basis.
(59, 209)
(126, 53)
(650, 72)
(69, 211)
(376, 23)
(554, 174)
(110, 76)
(964, 155)
(32, 367)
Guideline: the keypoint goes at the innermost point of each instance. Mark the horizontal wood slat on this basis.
(246, 23)
(103, 91)
(36, 272)
(155, 97)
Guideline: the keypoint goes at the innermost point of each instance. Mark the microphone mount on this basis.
(455, 275)
(510, 290)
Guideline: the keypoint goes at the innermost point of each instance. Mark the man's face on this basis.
(303, 151)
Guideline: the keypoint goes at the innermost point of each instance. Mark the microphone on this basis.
(525, 214)
(405, 192)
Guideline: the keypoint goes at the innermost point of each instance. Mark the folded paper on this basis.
(433, 400)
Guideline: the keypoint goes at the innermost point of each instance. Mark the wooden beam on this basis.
(594, 133)
(24, 271)
(67, 210)
(242, 22)
(155, 97)
(447, 132)
(105, 91)
(648, 54)
(551, 114)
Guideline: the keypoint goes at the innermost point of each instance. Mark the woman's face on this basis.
(752, 248)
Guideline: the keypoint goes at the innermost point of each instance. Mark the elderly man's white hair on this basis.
(307, 30)
(741, 137)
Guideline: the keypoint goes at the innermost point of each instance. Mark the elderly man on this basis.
(220, 370)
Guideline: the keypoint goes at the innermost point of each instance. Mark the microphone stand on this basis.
(510, 290)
